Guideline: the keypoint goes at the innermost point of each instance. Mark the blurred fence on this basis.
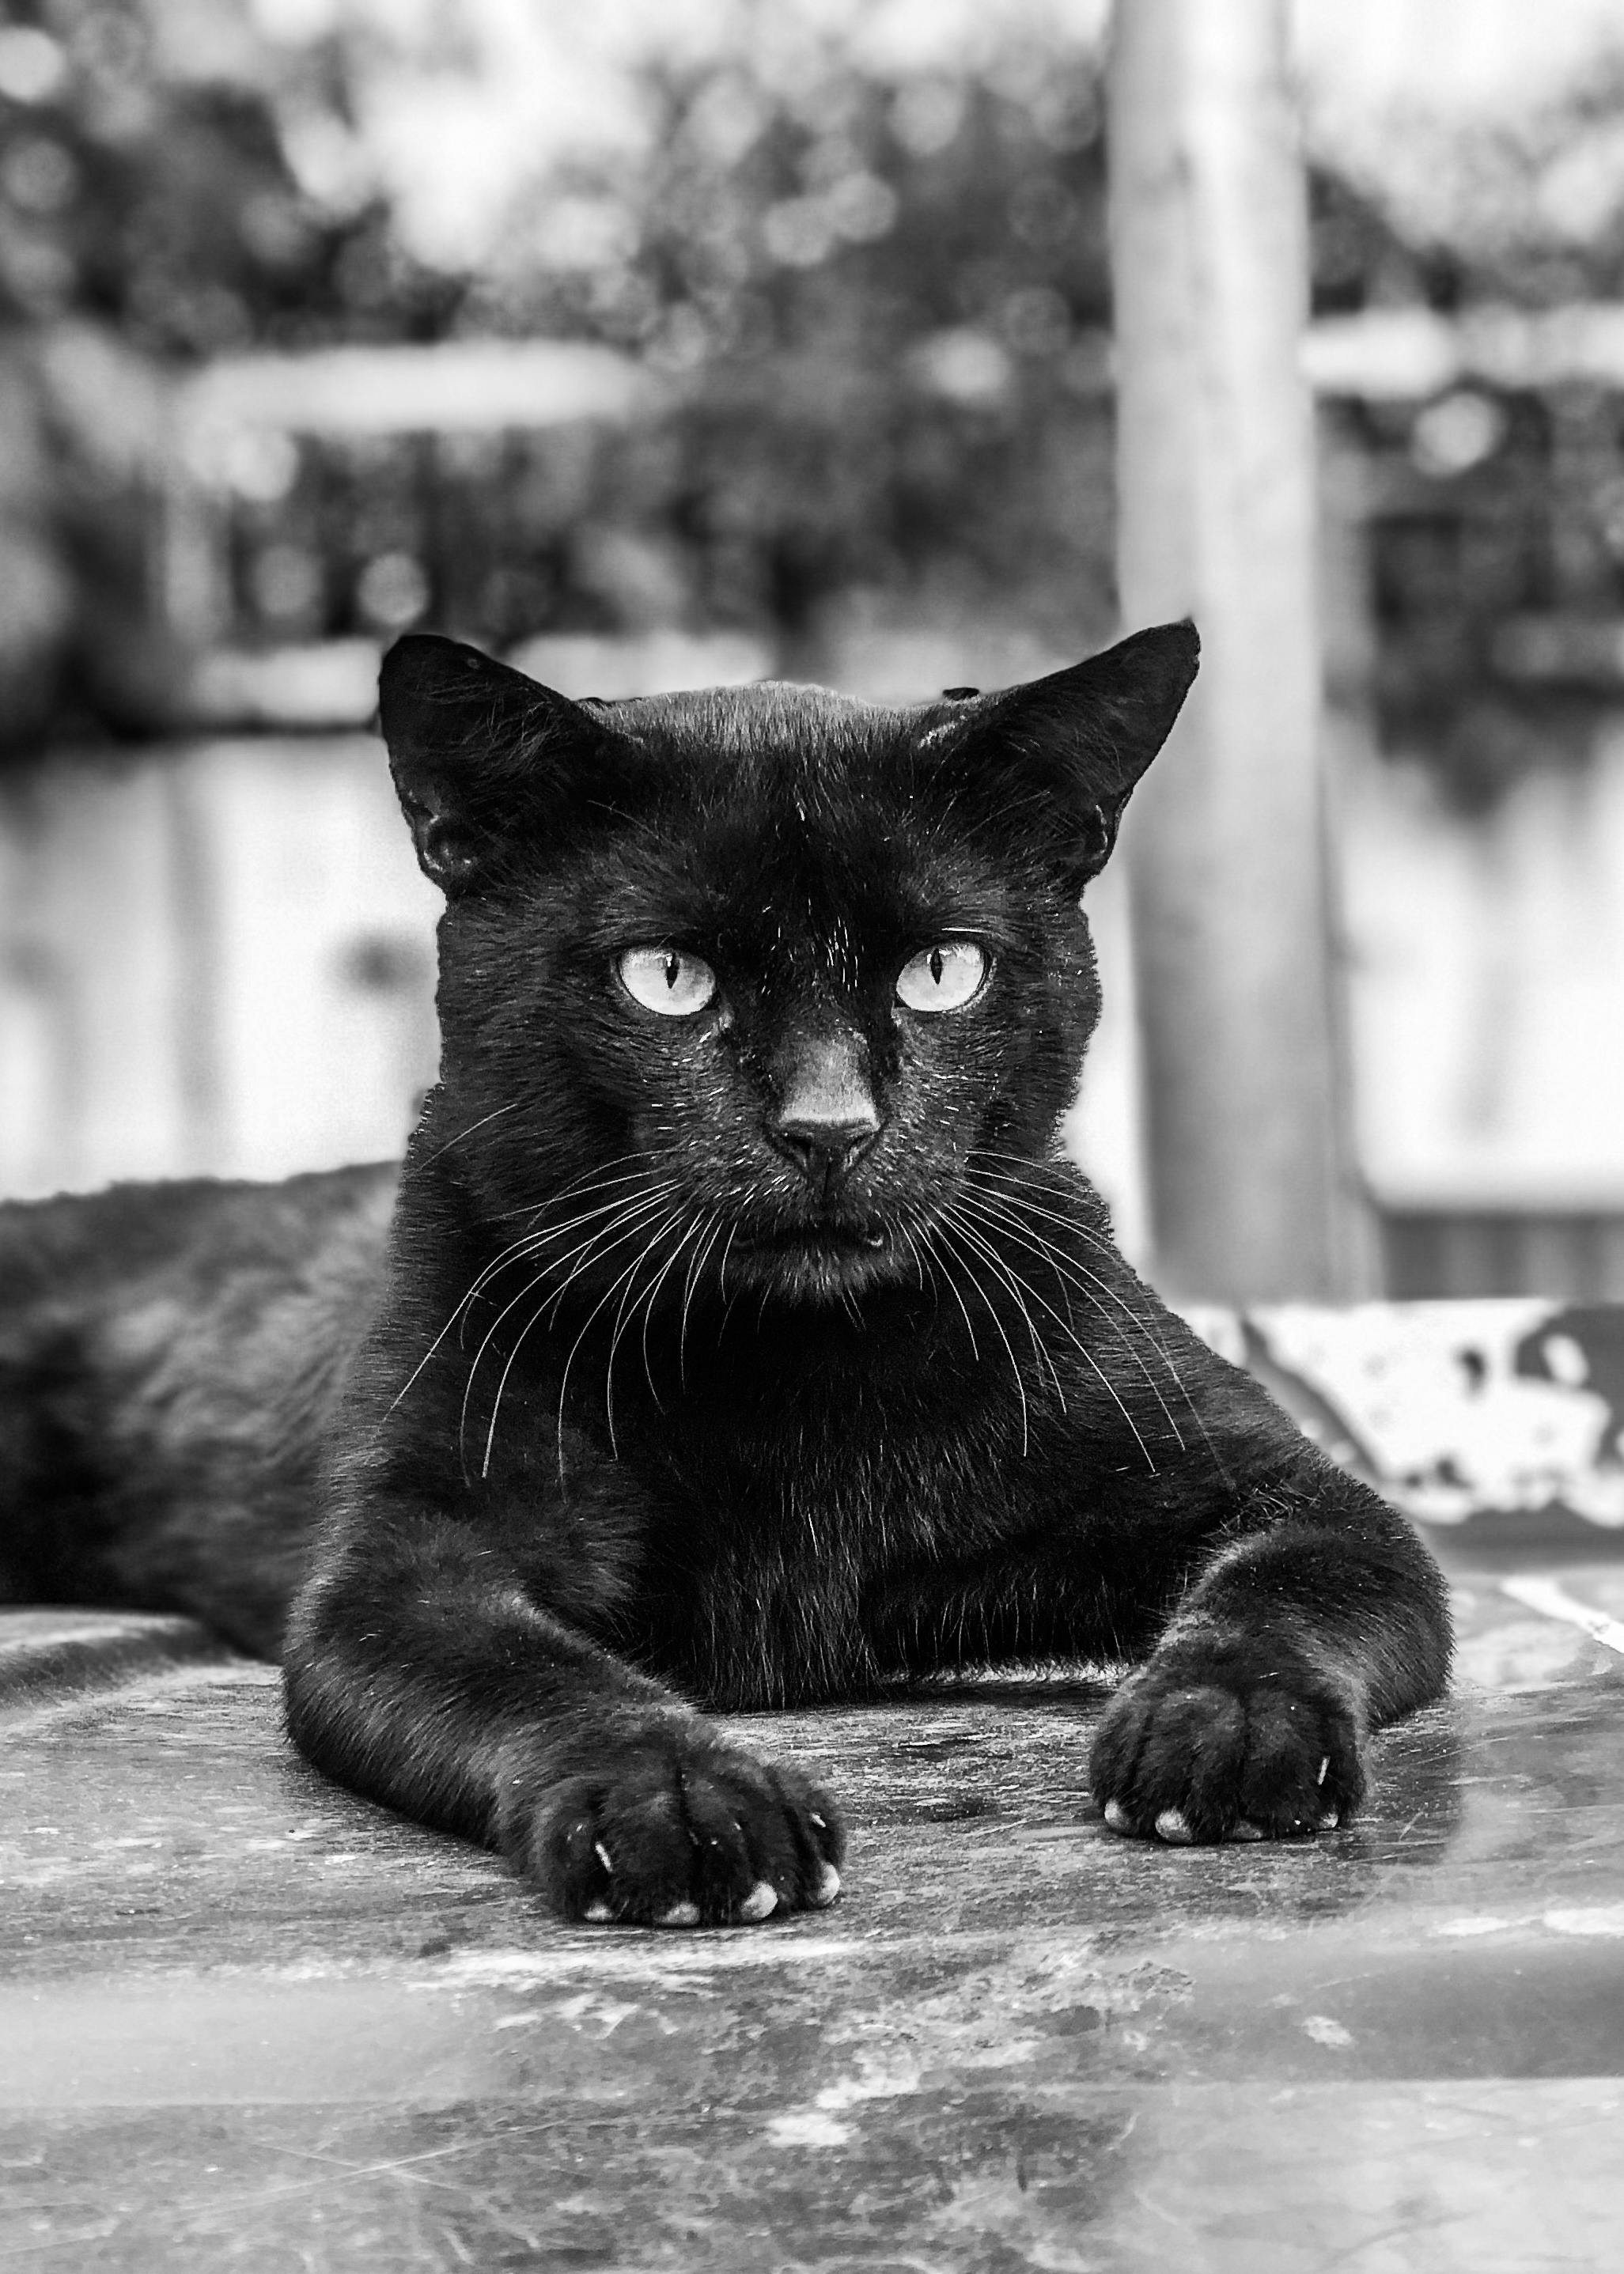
(219, 961)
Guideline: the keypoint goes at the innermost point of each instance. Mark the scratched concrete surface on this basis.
(248, 2023)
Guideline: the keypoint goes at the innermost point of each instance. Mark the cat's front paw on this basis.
(1233, 1741)
(673, 1828)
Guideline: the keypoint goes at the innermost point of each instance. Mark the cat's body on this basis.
(740, 1339)
(171, 1356)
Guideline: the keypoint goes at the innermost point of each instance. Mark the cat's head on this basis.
(763, 969)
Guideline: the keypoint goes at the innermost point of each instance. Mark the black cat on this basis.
(739, 1337)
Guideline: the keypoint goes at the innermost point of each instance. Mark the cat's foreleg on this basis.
(1315, 1616)
(420, 1672)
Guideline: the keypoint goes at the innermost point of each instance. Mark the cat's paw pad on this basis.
(1228, 1744)
(676, 1831)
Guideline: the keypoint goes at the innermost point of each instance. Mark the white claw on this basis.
(1116, 1816)
(827, 1888)
(679, 1915)
(1170, 1825)
(1324, 1767)
(1329, 1821)
(598, 1913)
(762, 1898)
(1243, 1828)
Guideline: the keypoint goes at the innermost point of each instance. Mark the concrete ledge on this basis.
(54, 1657)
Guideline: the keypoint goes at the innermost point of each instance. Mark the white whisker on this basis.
(577, 1187)
(494, 1114)
(602, 1302)
(598, 1244)
(1000, 1217)
(632, 1217)
(1018, 1287)
(652, 1296)
(947, 1272)
(992, 1314)
(694, 1269)
(530, 1242)
(621, 1317)
(1092, 1363)
(1017, 1199)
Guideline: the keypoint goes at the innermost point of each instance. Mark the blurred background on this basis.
(674, 342)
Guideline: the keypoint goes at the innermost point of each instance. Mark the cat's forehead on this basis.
(767, 759)
(772, 718)
(778, 812)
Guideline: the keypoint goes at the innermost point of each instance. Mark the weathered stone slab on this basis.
(249, 2021)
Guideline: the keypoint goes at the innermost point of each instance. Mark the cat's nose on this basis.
(825, 1151)
(827, 1117)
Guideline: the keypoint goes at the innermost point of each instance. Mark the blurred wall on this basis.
(216, 961)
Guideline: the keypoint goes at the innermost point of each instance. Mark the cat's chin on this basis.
(819, 1266)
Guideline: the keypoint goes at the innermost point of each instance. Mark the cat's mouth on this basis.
(819, 1240)
(816, 1262)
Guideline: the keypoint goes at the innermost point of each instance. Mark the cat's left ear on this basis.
(1069, 749)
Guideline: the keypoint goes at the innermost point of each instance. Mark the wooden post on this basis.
(1215, 457)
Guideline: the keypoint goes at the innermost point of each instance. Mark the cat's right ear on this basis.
(484, 758)
(1057, 759)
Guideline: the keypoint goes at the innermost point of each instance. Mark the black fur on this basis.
(760, 1355)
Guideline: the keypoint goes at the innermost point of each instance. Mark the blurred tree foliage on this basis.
(881, 305)
(876, 301)
(878, 296)
(149, 218)
(1497, 516)
(145, 185)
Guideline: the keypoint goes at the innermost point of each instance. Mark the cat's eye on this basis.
(667, 980)
(943, 978)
